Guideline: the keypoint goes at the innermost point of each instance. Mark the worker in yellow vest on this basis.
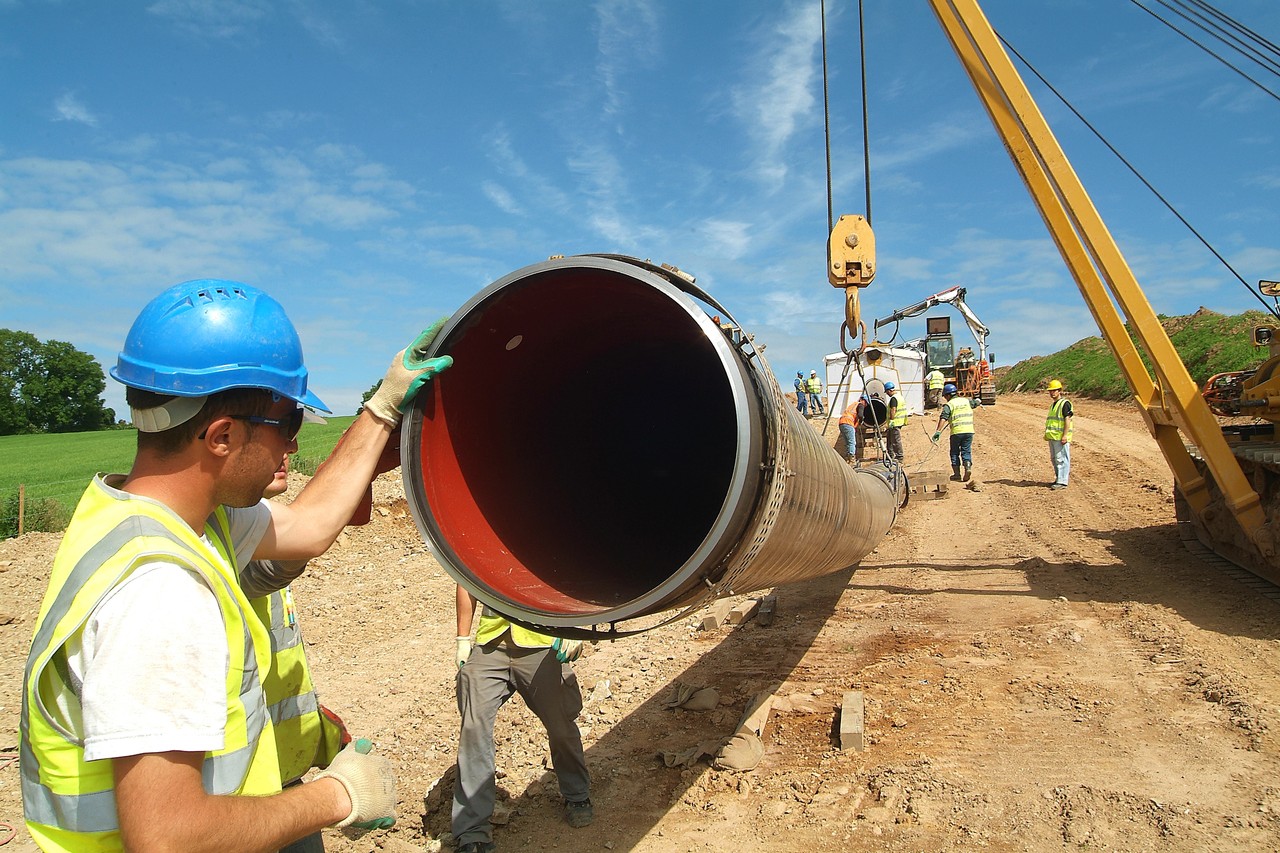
(507, 659)
(306, 733)
(933, 382)
(957, 413)
(898, 414)
(143, 722)
(813, 385)
(1057, 431)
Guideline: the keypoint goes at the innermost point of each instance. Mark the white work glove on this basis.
(409, 371)
(464, 650)
(566, 650)
(370, 784)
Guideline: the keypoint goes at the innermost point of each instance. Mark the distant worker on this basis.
(933, 382)
(957, 412)
(814, 386)
(509, 659)
(802, 394)
(854, 415)
(898, 414)
(1057, 431)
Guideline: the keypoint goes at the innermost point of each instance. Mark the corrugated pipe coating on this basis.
(603, 449)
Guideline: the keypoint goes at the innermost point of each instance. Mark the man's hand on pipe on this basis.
(409, 371)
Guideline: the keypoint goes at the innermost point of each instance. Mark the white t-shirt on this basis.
(152, 660)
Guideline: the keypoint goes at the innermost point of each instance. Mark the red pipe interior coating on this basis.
(580, 449)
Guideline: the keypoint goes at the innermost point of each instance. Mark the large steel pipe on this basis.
(604, 448)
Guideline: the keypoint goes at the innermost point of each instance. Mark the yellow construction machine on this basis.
(1227, 478)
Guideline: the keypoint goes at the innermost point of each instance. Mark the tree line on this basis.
(49, 386)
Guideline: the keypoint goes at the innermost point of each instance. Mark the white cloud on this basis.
(223, 19)
(501, 198)
(627, 32)
(69, 108)
(780, 100)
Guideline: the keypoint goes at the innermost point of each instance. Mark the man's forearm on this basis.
(162, 806)
(307, 527)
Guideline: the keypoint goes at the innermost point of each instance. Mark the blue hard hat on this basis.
(205, 336)
(949, 388)
(889, 386)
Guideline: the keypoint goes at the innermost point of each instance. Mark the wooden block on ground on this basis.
(714, 619)
(757, 713)
(928, 485)
(851, 712)
(744, 611)
(768, 604)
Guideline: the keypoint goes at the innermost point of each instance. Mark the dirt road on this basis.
(1041, 670)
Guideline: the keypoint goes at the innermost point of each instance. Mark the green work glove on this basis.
(370, 784)
(937, 435)
(409, 371)
(464, 651)
(566, 650)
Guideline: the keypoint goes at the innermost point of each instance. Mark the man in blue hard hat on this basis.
(957, 413)
(143, 723)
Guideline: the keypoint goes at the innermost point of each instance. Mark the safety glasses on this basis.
(288, 427)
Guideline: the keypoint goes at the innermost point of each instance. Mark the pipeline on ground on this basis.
(610, 445)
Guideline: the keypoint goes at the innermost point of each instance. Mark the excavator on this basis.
(1227, 478)
(971, 376)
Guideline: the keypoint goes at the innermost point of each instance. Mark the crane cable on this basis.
(1168, 205)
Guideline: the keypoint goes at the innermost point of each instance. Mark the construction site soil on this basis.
(1040, 670)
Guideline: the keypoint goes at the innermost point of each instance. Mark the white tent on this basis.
(903, 367)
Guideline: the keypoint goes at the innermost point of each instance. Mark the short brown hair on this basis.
(235, 401)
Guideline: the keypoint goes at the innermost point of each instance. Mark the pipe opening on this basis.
(588, 429)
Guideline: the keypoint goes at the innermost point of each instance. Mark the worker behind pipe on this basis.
(957, 413)
(507, 659)
(146, 651)
(813, 385)
(307, 734)
(933, 382)
(854, 415)
(802, 394)
(897, 420)
(1057, 431)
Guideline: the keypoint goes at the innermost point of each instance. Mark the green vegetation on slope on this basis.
(1208, 343)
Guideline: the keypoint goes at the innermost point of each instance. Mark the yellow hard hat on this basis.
(1054, 385)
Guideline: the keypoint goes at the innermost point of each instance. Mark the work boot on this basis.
(955, 473)
(579, 814)
(965, 478)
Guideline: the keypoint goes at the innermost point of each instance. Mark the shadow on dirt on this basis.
(632, 787)
(1146, 571)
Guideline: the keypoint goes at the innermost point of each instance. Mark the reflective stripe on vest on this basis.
(492, 626)
(1055, 425)
(291, 698)
(935, 379)
(69, 803)
(900, 413)
(961, 415)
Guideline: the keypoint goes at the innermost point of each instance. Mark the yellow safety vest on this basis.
(899, 414)
(813, 385)
(492, 626)
(69, 803)
(305, 738)
(1055, 425)
(961, 415)
(935, 379)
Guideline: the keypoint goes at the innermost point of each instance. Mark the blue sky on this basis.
(374, 164)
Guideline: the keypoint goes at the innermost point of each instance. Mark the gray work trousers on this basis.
(550, 689)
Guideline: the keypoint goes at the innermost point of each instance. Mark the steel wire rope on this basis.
(1239, 27)
(1263, 62)
(1137, 174)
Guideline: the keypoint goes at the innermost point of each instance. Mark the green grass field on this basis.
(54, 469)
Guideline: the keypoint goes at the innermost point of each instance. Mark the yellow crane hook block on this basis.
(851, 264)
